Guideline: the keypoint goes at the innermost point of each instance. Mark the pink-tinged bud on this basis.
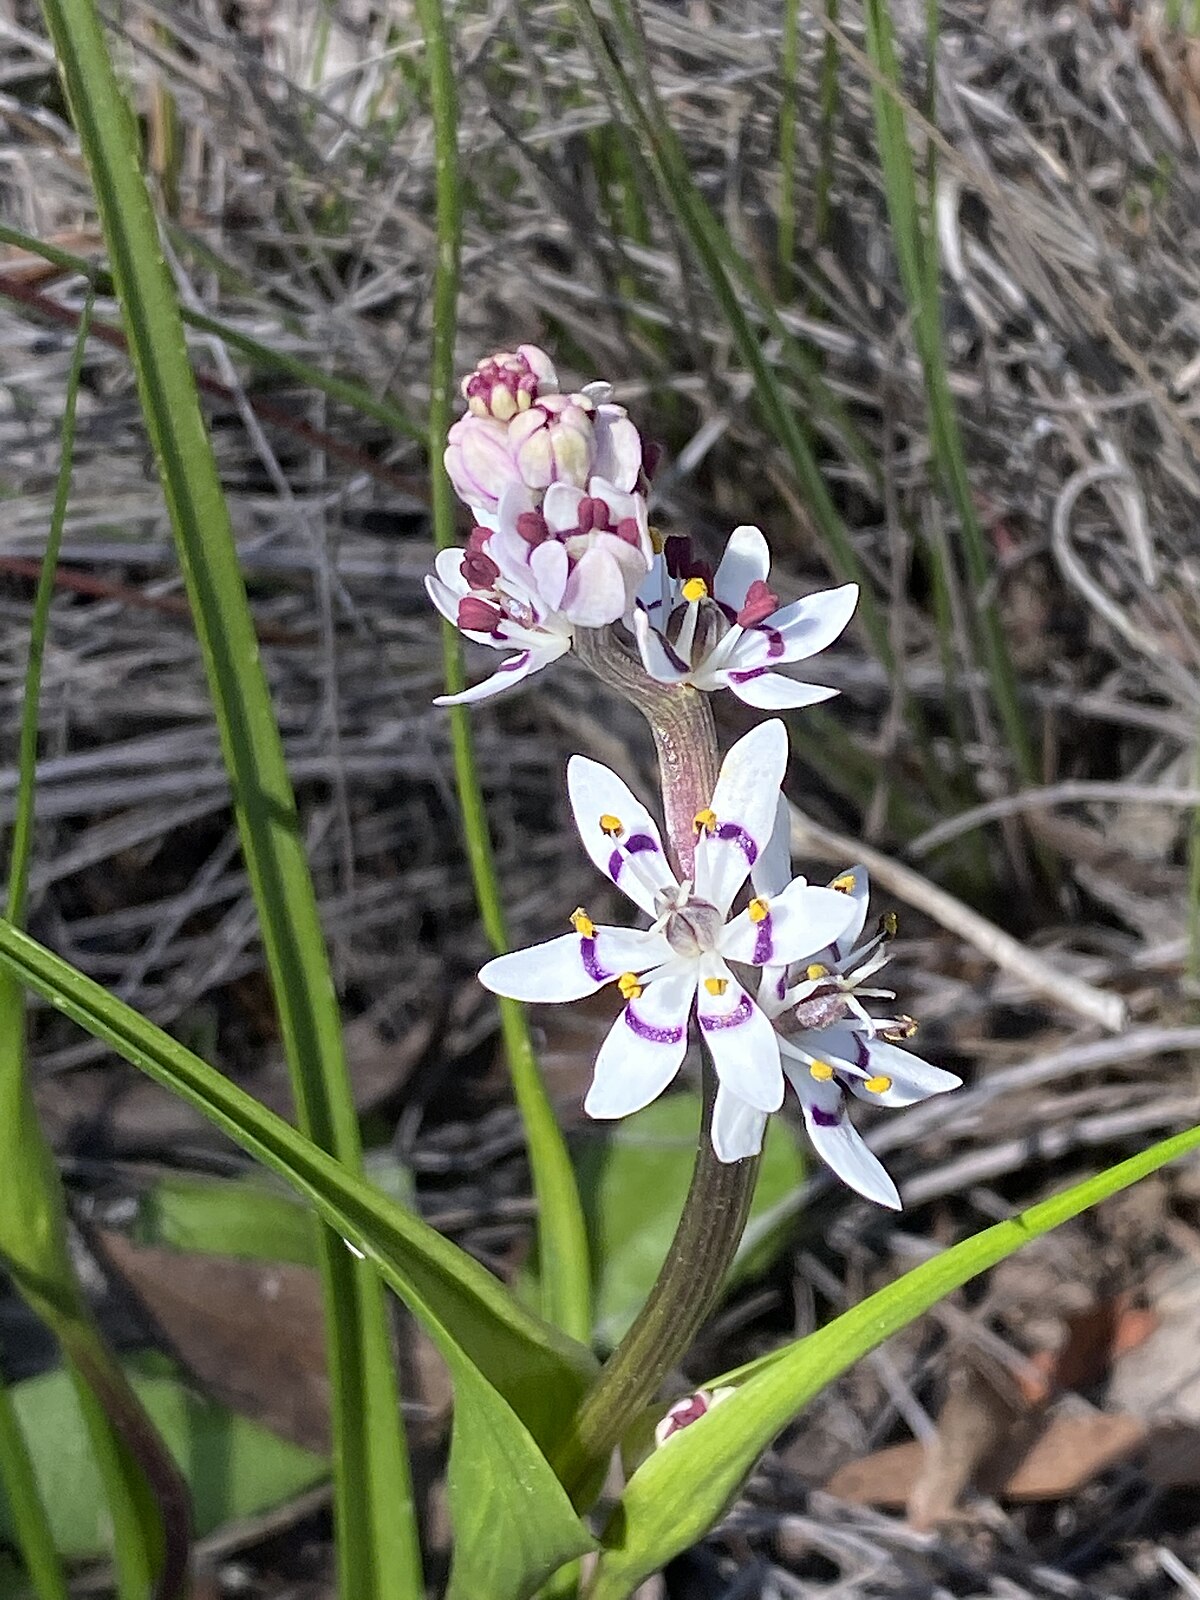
(688, 1410)
(760, 602)
(531, 525)
(476, 616)
(509, 382)
(479, 462)
(553, 442)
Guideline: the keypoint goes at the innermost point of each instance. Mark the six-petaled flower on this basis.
(684, 963)
(727, 630)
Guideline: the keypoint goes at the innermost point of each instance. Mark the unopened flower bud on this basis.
(509, 382)
(479, 462)
(553, 442)
(688, 1410)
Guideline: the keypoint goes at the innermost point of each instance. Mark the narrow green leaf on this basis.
(377, 1543)
(517, 1379)
(680, 1491)
(26, 1523)
(562, 1238)
(539, 1370)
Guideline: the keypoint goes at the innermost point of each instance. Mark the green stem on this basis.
(718, 1199)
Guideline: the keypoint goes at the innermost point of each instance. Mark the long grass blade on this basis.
(378, 1550)
(147, 1499)
(562, 1236)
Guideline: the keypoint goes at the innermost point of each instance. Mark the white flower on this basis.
(493, 592)
(831, 1046)
(682, 962)
(727, 630)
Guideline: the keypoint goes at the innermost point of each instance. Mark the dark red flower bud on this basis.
(476, 616)
(760, 602)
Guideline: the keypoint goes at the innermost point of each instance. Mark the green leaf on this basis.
(634, 1180)
(680, 1491)
(251, 1218)
(517, 1379)
(234, 1467)
(378, 1549)
(540, 1371)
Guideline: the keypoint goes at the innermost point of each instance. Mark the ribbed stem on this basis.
(718, 1199)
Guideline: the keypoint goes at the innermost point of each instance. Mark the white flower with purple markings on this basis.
(832, 1047)
(727, 630)
(683, 964)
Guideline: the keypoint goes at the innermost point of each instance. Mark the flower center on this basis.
(691, 927)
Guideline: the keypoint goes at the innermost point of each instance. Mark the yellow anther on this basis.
(716, 986)
(582, 923)
(815, 971)
(879, 1085)
(821, 1071)
(889, 923)
(844, 884)
(657, 539)
(705, 821)
(629, 986)
(758, 909)
(611, 825)
(695, 589)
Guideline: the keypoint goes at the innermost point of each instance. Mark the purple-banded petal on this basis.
(774, 997)
(740, 1038)
(743, 805)
(805, 627)
(862, 1060)
(737, 1128)
(658, 658)
(595, 592)
(645, 1046)
(837, 1141)
(746, 560)
(509, 673)
(572, 966)
(632, 858)
(772, 872)
(796, 924)
(770, 691)
(550, 568)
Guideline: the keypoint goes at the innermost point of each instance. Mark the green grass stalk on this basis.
(377, 1546)
(562, 1235)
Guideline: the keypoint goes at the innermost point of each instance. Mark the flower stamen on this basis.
(612, 826)
(629, 986)
(716, 986)
(758, 910)
(582, 923)
(705, 821)
(879, 1085)
(820, 1070)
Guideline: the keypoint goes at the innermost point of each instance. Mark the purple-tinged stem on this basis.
(718, 1199)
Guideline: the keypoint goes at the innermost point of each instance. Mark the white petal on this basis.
(772, 872)
(746, 560)
(737, 1128)
(595, 593)
(745, 801)
(446, 600)
(507, 674)
(912, 1079)
(659, 660)
(448, 566)
(740, 1039)
(772, 691)
(618, 447)
(798, 923)
(550, 568)
(560, 969)
(813, 623)
(639, 867)
(561, 507)
(837, 1141)
(644, 1048)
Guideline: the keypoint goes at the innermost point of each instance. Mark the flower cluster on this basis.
(771, 973)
